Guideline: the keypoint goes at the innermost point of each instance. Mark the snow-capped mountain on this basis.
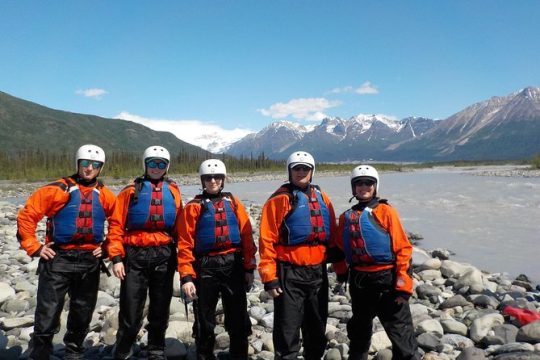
(505, 127)
(213, 142)
(359, 137)
(273, 139)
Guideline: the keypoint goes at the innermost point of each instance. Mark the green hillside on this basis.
(28, 126)
(39, 142)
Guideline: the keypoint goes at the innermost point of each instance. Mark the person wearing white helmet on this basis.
(296, 230)
(142, 240)
(216, 257)
(378, 267)
(76, 208)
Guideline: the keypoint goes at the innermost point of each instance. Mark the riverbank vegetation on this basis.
(35, 165)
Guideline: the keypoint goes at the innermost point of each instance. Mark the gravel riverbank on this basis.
(457, 311)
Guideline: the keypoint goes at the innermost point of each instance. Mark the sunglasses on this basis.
(152, 164)
(210, 177)
(301, 168)
(364, 182)
(87, 163)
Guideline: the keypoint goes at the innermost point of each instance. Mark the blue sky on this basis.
(233, 66)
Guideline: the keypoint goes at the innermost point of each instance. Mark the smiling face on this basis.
(301, 175)
(156, 168)
(364, 188)
(213, 183)
(89, 169)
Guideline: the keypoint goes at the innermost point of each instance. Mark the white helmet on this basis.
(300, 158)
(364, 171)
(89, 152)
(156, 152)
(212, 167)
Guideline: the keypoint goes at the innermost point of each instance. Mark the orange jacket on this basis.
(118, 236)
(388, 218)
(47, 201)
(187, 225)
(271, 251)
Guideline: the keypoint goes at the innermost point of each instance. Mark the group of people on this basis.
(209, 241)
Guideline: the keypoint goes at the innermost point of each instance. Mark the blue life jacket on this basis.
(308, 222)
(152, 207)
(217, 227)
(365, 242)
(81, 219)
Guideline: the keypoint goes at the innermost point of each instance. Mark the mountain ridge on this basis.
(474, 133)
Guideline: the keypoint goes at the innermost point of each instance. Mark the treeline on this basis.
(31, 165)
(42, 165)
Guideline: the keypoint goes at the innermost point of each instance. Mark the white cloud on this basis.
(92, 93)
(205, 135)
(304, 109)
(345, 89)
(365, 89)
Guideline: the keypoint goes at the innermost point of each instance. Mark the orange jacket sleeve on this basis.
(246, 234)
(273, 213)
(46, 201)
(389, 219)
(117, 224)
(186, 224)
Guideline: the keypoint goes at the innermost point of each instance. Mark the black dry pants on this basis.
(221, 275)
(302, 305)
(72, 272)
(372, 295)
(149, 270)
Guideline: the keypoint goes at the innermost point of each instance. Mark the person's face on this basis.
(301, 175)
(156, 169)
(213, 183)
(89, 169)
(364, 189)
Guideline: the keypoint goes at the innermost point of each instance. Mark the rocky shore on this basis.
(457, 311)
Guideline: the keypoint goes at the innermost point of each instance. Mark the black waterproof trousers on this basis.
(70, 272)
(149, 270)
(372, 295)
(302, 305)
(221, 275)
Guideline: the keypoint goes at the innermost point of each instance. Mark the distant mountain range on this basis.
(28, 126)
(499, 128)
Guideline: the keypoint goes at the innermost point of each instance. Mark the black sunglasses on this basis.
(95, 164)
(364, 182)
(210, 177)
(301, 168)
